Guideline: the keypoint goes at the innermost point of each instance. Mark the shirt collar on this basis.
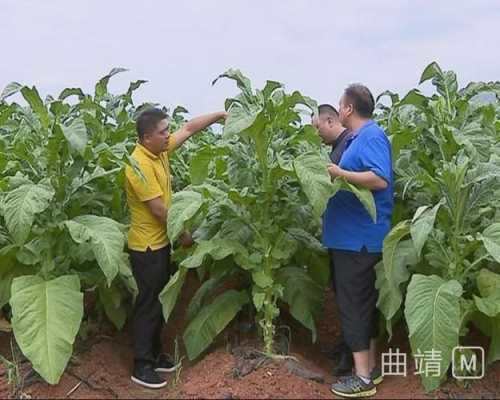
(146, 152)
(343, 135)
(353, 135)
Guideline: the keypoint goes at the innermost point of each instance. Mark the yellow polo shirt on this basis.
(145, 229)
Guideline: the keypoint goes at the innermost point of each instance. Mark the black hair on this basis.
(148, 120)
(361, 99)
(329, 110)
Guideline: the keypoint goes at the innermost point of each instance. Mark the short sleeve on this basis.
(171, 144)
(145, 188)
(376, 157)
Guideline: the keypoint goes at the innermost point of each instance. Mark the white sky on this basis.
(317, 47)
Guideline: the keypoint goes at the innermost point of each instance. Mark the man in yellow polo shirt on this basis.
(149, 198)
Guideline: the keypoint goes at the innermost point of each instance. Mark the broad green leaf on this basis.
(101, 87)
(106, 239)
(318, 267)
(490, 305)
(258, 299)
(432, 312)
(185, 205)
(170, 293)
(262, 279)
(393, 96)
(216, 248)
(488, 282)
(284, 247)
(392, 272)
(111, 301)
(46, 316)
(242, 81)
(22, 204)
(9, 90)
(198, 168)
(240, 119)
(201, 294)
(9, 270)
(270, 87)
(36, 104)
(491, 240)
(431, 71)
(414, 98)
(76, 135)
(127, 277)
(315, 181)
(303, 294)
(71, 92)
(364, 195)
(306, 239)
(211, 320)
(422, 225)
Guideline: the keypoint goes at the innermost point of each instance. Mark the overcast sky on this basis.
(317, 47)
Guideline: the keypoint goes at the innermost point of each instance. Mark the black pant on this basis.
(151, 271)
(353, 276)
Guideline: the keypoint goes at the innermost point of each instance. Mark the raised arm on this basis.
(195, 125)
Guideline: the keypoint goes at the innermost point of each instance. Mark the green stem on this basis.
(478, 261)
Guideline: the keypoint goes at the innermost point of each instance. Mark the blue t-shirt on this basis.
(346, 223)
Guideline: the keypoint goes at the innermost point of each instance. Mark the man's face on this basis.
(345, 111)
(157, 141)
(325, 125)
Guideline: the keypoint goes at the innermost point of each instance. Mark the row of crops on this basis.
(253, 198)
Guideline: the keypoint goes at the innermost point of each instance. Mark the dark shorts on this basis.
(353, 278)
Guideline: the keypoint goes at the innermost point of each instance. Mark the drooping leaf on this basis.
(315, 181)
(391, 273)
(36, 103)
(422, 225)
(9, 90)
(414, 98)
(170, 293)
(201, 294)
(211, 320)
(185, 205)
(242, 81)
(217, 249)
(71, 92)
(106, 239)
(303, 294)
(101, 87)
(22, 204)
(432, 312)
(76, 135)
(135, 85)
(46, 316)
(111, 300)
(364, 195)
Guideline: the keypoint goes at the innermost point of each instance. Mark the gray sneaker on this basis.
(353, 386)
(376, 376)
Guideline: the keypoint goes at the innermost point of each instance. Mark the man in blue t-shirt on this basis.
(334, 134)
(355, 240)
